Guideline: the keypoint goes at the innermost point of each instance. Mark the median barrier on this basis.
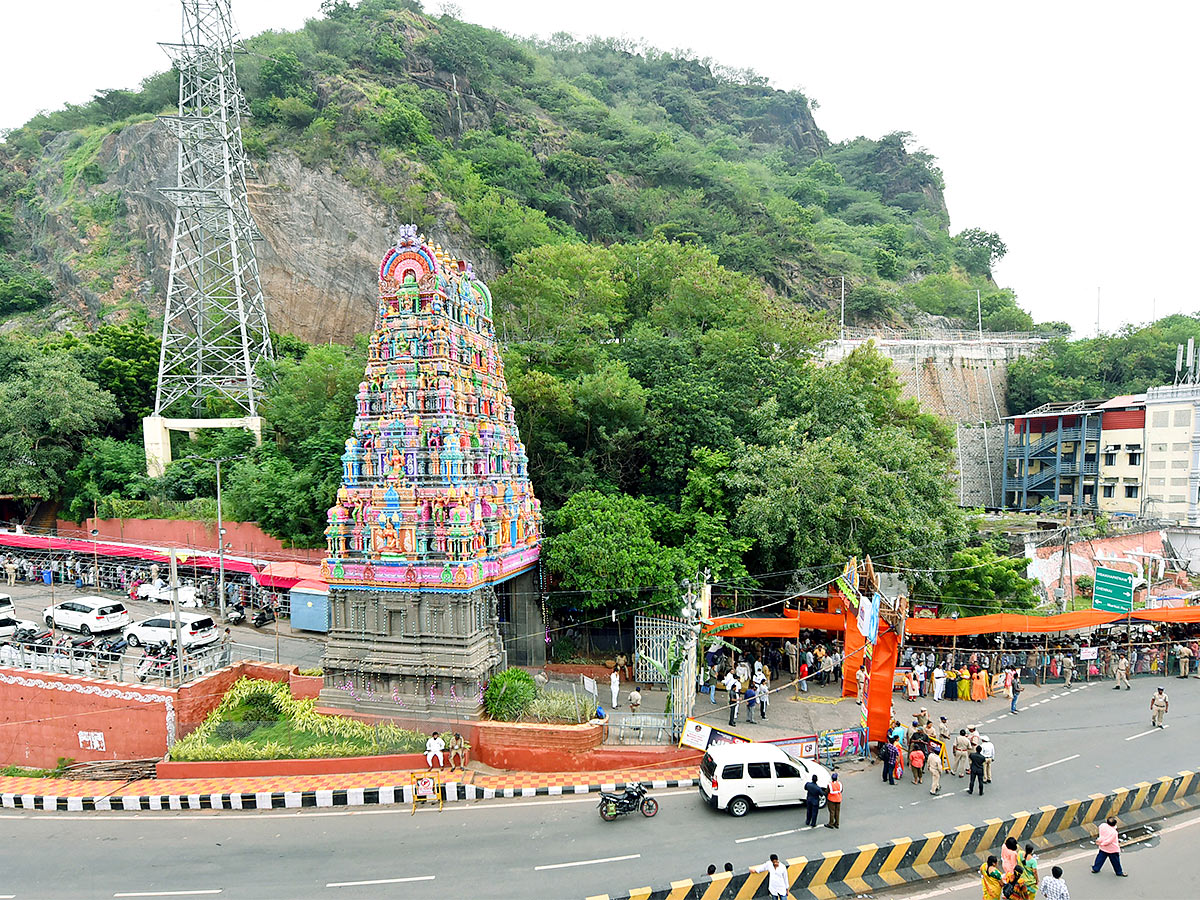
(875, 867)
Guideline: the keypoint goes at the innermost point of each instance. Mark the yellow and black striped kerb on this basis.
(874, 867)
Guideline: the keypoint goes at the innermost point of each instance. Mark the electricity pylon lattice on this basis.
(215, 326)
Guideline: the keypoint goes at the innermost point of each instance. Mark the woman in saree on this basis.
(979, 689)
(964, 684)
(1029, 863)
(989, 876)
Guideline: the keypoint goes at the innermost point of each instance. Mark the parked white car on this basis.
(196, 630)
(739, 777)
(87, 615)
(161, 593)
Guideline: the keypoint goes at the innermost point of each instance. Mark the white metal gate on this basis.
(652, 639)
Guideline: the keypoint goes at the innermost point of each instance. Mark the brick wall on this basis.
(44, 716)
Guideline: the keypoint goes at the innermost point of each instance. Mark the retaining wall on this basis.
(875, 867)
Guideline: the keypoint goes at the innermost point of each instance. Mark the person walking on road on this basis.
(933, 765)
(943, 730)
(614, 682)
(988, 749)
(962, 747)
(1012, 885)
(1053, 887)
(989, 876)
(976, 760)
(813, 793)
(1122, 673)
(1159, 704)
(833, 802)
(1016, 692)
(1108, 843)
(1009, 857)
(889, 753)
(860, 679)
(1029, 862)
(1068, 667)
(635, 700)
(777, 877)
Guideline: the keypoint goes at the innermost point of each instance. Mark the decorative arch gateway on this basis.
(435, 508)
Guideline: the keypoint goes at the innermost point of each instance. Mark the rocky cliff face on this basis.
(323, 237)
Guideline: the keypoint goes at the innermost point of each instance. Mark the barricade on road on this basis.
(875, 867)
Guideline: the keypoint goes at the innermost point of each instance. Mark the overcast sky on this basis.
(1069, 128)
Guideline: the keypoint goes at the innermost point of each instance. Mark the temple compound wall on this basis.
(433, 543)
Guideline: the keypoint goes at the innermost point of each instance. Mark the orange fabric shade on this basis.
(757, 628)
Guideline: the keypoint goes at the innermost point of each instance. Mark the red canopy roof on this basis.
(129, 551)
(287, 575)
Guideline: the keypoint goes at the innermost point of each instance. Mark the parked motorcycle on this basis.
(111, 650)
(158, 662)
(633, 800)
(235, 614)
(263, 617)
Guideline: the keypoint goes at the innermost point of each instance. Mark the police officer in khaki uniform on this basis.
(1122, 673)
(1159, 704)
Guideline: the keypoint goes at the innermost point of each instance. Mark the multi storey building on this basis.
(1122, 455)
(1173, 457)
(1052, 452)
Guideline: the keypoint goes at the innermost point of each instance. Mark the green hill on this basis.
(507, 144)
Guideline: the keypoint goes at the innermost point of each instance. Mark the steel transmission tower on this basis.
(215, 325)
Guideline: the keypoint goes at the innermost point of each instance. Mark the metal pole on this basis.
(843, 334)
(175, 607)
(220, 546)
(979, 310)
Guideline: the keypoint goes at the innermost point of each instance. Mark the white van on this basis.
(739, 777)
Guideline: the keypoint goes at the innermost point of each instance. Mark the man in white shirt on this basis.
(762, 689)
(919, 672)
(614, 682)
(988, 749)
(777, 876)
(434, 747)
(939, 683)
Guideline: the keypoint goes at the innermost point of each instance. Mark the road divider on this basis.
(876, 867)
(401, 793)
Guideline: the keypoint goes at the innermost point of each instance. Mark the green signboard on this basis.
(1113, 591)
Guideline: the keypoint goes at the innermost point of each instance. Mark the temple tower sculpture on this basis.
(435, 527)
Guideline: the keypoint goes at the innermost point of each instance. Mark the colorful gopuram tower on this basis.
(435, 534)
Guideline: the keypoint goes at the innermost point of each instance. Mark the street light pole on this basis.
(220, 547)
(175, 607)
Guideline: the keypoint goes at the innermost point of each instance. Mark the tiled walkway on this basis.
(184, 787)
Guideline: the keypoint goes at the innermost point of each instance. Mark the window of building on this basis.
(1131, 491)
(1110, 459)
(1158, 448)
(1177, 498)
(1158, 464)
(1179, 482)
(1089, 490)
(1183, 418)
(1158, 482)
(1161, 419)
(1180, 445)
(1135, 459)
(1107, 490)
(1179, 464)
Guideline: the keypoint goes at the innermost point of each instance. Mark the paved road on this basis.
(298, 648)
(1062, 748)
(1159, 858)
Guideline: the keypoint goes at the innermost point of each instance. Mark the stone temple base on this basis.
(393, 652)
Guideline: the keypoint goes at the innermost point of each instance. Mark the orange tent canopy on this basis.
(1014, 623)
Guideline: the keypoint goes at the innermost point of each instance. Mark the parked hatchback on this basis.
(739, 777)
(88, 615)
(196, 630)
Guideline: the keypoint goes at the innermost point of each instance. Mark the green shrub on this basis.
(315, 672)
(509, 695)
(563, 649)
(559, 706)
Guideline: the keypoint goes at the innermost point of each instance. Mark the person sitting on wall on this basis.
(434, 747)
(458, 749)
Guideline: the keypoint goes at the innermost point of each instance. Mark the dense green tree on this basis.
(980, 581)
(107, 467)
(604, 553)
(47, 409)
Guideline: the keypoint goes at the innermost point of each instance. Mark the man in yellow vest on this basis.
(833, 802)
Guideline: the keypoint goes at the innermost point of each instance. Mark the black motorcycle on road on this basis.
(633, 800)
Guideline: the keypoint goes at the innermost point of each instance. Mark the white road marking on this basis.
(1002, 716)
(1055, 763)
(761, 837)
(940, 796)
(1055, 696)
(990, 721)
(334, 884)
(1134, 737)
(588, 862)
(165, 893)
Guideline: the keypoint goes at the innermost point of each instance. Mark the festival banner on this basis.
(700, 735)
(879, 694)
